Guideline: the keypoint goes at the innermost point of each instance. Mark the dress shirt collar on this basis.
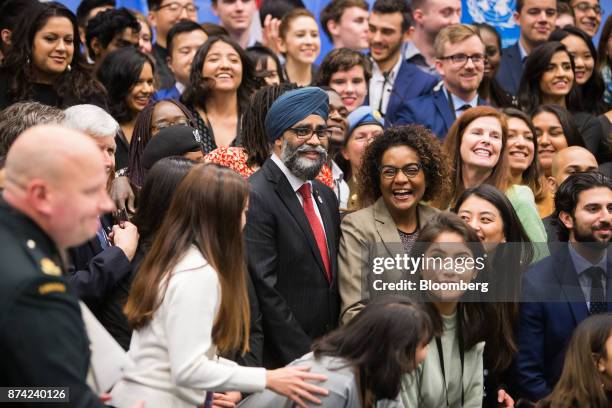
(295, 181)
(411, 51)
(378, 74)
(522, 51)
(180, 87)
(458, 102)
(581, 264)
(337, 173)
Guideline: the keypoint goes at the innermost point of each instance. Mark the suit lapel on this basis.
(400, 83)
(570, 286)
(517, 64)
(443, 107)
(385, 226)
(289, 198)
(326, 217)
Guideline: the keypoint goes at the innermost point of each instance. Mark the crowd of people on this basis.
(199, 215)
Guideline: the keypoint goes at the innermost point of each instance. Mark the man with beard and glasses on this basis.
(293, 228)
(565, 288)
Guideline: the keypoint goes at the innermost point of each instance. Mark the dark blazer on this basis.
(432, 111)
(553, 305)
(510, 69)
(93, 272)
(410, 83)
(297, 303)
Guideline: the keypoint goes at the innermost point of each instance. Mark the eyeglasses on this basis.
(305, 133)
(462, 59)
(175, 8)
(410, 170)
(162, 124)
(585, 7)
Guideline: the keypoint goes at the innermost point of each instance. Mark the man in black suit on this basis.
(537, 20)
(292, 230)
(565, 288)
(97, 265)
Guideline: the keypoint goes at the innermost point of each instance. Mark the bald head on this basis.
(573, 159)
(57, 177)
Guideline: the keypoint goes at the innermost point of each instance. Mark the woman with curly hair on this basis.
(45, 63)
(401, 168)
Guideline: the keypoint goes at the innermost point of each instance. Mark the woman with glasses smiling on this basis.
(401, 168)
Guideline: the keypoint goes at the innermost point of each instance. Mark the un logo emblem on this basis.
(495, 12)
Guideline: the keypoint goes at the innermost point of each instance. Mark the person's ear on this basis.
(277, 146)
(39, 196)
(440, 67)
(517, 17)
(280, 45)
(5, 34)
(599, 361)
(152, 17)
(169, 64)
(333, 28)
(344, 153)
(417, 16)
(96, 47)
(213, 7)
(552, 184)
(566, 219)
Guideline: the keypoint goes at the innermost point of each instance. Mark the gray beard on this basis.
(303, 168)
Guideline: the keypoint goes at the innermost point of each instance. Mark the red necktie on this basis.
(316, 226)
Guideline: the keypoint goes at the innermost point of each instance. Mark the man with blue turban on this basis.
(293, 228)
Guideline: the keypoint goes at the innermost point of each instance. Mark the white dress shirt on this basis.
(376, 85)
(175, 359)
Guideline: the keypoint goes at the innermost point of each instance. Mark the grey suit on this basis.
(368, 234)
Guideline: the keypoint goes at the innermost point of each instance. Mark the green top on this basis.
(522, 199)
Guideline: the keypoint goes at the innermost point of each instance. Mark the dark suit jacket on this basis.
(410, 83)
(510, 69)
(553, 305)
(93, 272)
(432, 111)
(296, 301)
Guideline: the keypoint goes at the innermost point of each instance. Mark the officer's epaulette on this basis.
(43, 262)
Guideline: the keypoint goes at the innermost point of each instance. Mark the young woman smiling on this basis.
(220, 84)
(476, 147)
(300, 44)
(45, 63)
(522, 151)
(129, 78)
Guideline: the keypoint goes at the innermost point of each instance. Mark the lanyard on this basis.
(461, 357)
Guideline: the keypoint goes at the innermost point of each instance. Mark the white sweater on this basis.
(175, 360)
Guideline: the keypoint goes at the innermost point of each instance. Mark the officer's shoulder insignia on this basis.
(51, 287)
(49, 267)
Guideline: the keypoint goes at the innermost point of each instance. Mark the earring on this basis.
(28, 61)
(68, 68)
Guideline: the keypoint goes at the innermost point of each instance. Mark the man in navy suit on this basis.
(565, 288)
(293, 228)
(460, 62)
(184, 40)
(537, 20)
(394, 80)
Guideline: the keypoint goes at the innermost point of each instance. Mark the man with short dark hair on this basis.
(293, 228)
(110, 30)
(587, 14)
(236, 16)
(429, 17)
(394, 80)
(345, 22)
(163, 14)
(460, 62)
(537, 20)
(565, 288)
(87, 10)
(184, 40)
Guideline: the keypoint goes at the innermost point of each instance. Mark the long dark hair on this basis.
(489, 87)
(259, 54)
(119, 72)
(472, 314)
(530, 95)
(200, 88)
(566, 120)
(581, 382)
(531, 177)
(73, 86)
(593, 90)
(380, 343)
(254, 139)
(509, 262)
(206, 211)
(142, 135)
(154, 199)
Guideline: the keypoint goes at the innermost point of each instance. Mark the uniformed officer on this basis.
(54, 193)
